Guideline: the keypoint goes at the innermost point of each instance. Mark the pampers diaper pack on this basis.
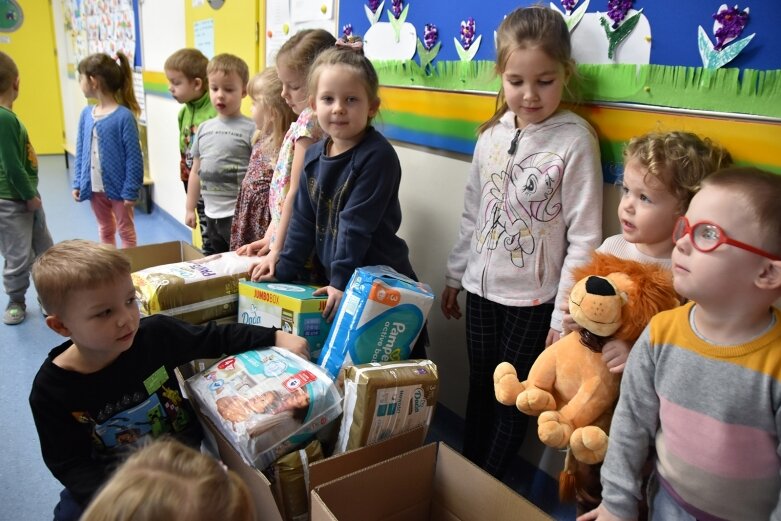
(266, 401)
(381, 315)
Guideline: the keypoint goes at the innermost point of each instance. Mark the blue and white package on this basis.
(381, 315)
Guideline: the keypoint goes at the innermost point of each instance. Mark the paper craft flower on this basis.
(572, 18)
(429, 47)
(728, 24)
(374, 10)
(621, 26)
(468, 46)
(347, 30)
(397, 14)
(617, 9)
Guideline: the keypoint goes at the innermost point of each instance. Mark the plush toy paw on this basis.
(553, 430)
(534, 401)
(506, 384)
(589, 444)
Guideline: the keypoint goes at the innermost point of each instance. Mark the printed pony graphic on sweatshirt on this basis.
(512, 202)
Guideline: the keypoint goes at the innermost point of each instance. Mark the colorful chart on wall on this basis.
(107, 26)
(699, 55)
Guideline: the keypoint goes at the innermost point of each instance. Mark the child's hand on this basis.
(264, 270)
(568, 324)
(255, 248)
(449, 303)
(76, 194)
(189, 218)
(601, 514)
(129, 204)
(614, 354)
(553, 336)
(33, 204)
(293, 343)
(332, 304)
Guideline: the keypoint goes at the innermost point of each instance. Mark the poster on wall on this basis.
(107, 26)
(284, 18)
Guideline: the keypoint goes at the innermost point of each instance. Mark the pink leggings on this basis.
(113, 215)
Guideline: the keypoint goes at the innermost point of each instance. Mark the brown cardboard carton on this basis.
(142, 257)
(267, 504)
(432, 483)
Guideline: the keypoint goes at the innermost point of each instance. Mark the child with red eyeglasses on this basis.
(702, 385)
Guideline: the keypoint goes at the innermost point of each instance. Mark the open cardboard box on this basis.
(142, 257)
(267, 505)
(431, 483)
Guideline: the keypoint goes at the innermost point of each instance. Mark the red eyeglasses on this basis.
(707, 236)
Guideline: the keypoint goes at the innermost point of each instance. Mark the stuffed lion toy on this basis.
(569, 386)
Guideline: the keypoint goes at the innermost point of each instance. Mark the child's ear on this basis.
(374, 107)
(770, 276)
(312, 103)
(55, 324)
(198, 83)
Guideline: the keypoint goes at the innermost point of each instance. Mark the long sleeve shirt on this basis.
(532, 211)
(713, 413)
(18, 162)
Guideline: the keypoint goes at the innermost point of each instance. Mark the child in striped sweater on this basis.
(703, 383)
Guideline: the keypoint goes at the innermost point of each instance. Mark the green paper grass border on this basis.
(729, 90)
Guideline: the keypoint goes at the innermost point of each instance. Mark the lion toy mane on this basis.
(569, 386)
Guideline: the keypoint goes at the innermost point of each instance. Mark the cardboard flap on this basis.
(326, 470)
(464, 491)
(396, 489)
(142, 257)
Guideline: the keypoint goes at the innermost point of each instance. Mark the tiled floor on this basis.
(27, 489)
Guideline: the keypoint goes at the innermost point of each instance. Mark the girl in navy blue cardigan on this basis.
(109, 169)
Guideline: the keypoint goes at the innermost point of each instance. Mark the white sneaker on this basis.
(14, 313)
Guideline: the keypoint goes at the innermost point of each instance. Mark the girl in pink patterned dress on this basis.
(272, 117)
(293, 61)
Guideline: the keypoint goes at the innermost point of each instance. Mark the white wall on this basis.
(73, 100)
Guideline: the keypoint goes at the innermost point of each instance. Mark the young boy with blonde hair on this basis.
(23, 231)
(188, 84)
(703, 383)
(112, 383)
(221, 151)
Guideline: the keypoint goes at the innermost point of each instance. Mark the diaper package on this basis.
(380, 316)
(266, 402)
(385, 399)
(195, 291)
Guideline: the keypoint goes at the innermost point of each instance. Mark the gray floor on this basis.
(27, 489)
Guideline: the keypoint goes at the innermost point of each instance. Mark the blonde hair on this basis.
(678, 160)
(8, 72)
(349, 58)
(169, 480)
(114, 78)
(190, 62)
(266, 88)
(761, 191)
(301, 50)
(227, 64)
(72, 265)
(528, 27)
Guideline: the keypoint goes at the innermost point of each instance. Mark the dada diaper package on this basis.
(265, 402)
(385, 399)
(380, 316)
(194, 291)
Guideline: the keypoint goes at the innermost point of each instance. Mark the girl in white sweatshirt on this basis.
(532, 210)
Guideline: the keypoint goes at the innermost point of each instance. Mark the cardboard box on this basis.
(267, 505)
(142, 257)
(430, 483)
(291, 307)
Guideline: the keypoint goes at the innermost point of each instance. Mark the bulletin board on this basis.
(284, 18)
(437, 91)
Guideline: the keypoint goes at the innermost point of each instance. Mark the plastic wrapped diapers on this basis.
(385, 399)
(194, 291)
(266, 402)
(380, 316)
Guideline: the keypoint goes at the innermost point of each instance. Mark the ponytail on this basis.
(126, 95)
